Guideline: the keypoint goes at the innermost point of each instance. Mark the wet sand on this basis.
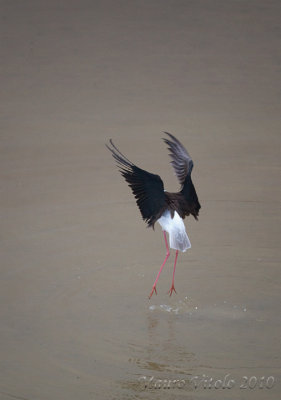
(77, 263)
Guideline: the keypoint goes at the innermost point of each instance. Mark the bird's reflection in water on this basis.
(163, 354)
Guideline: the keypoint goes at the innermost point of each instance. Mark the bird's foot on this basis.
(172, 290)
(152, 291)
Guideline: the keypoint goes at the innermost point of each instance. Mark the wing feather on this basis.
(181, 160)
(147, 188)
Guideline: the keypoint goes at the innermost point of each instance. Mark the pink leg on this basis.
(166, 258)
(173, 287)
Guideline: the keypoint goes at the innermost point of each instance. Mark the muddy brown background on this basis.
(77, 263)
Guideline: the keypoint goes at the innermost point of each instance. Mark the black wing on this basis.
(148, 188)
(181, 160)
(183, 165)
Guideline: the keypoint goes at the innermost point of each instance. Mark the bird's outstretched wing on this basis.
(148, 188)
(183, 165)
(181, 160)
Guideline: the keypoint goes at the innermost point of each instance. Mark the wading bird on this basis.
(158, 205)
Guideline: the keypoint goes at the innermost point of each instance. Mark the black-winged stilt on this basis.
(158, 205)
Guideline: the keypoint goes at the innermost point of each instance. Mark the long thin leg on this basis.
(173, 281)
(166, 258)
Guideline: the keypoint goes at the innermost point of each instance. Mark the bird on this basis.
(158, 205)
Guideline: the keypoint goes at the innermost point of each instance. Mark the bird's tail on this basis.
(179, 240)
(175, 227)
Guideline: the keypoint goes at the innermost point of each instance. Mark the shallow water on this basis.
(77, 263)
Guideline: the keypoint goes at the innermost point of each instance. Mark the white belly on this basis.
(175, 227)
